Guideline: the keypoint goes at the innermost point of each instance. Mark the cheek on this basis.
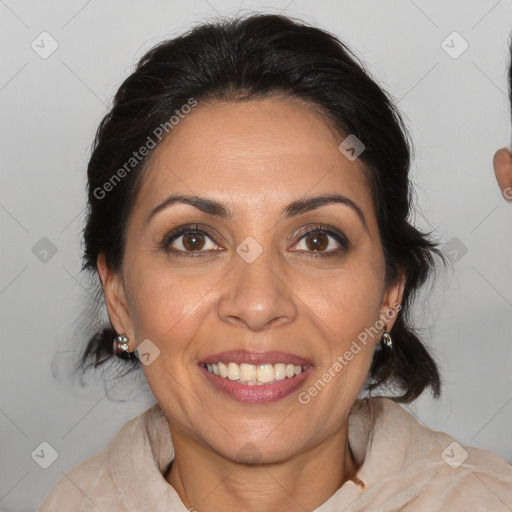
(163, 307)
(346, 302)
(169, 312)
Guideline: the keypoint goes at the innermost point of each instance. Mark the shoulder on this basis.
(431, 468)
(468, 477)
(475, 477)
(76, 489)
(91, 485)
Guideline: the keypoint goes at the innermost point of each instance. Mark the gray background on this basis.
(456, 109)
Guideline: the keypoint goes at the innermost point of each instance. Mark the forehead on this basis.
(253, 156)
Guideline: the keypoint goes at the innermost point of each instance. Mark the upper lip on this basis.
(255, 358)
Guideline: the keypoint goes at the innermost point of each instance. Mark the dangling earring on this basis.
(386, 341)
(121, 347)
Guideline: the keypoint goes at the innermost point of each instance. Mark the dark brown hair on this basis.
(255, 57)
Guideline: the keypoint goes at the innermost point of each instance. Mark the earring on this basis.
(121, 347)
(386, 341)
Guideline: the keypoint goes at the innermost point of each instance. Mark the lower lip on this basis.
(258, 394)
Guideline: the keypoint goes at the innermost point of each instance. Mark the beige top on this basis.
(405, 467)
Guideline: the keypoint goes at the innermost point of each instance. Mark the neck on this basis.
(204, 480)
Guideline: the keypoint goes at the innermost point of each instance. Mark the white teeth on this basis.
(233, 371)
(247, 372)
(279, 371)
(265, 373)
(253, 375)
(223, 371)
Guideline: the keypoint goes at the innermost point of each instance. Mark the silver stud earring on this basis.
(386, 341)
(121, 347)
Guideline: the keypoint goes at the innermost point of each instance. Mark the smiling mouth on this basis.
(254, 375)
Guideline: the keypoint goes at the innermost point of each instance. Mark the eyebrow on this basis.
(297, 207)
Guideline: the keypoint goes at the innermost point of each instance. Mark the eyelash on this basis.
(313, 230)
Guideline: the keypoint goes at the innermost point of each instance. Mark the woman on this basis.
(249, 197)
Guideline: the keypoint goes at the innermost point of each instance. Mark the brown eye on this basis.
(188, 242)
(193, 241)
(322, 242)
(317, 242)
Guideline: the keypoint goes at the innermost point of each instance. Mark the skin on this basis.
(502, 163)
(254, 157)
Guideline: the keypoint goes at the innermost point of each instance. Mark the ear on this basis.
(392, 302)
(502, 163)
(115, 298)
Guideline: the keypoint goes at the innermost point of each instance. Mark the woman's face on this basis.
(304, 281)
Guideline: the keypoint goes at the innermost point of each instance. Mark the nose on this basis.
(256, 295)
